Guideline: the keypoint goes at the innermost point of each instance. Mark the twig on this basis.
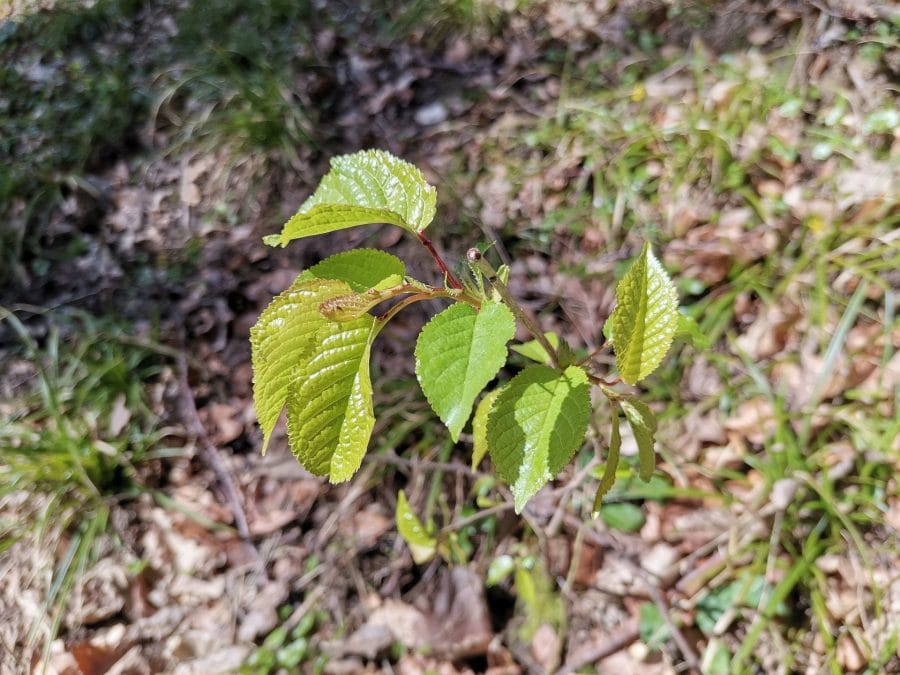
(451, 278)
(475, 517)
(211, 454)
(686, 650)
(616, 642)
(475, 257)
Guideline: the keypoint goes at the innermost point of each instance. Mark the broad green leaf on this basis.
(280, 342)
(479, 426)
(645, 317)
(361, 268)
(421, 544)
(536, 425)
(622, 516)
(458, 352)
(612, 462)
(643, 424)
(535, 351)
(330, 415)
(688, 330)
(367, 187)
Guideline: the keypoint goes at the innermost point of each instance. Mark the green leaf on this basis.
(688, 330)
(536, 425)
(479, 426)
(643, 424)
(645, 318)
(534, 351)
(458, 352)
(361, 268)
(281, 340)
(612, 462)
(371, 186)
(330, 415)
(421, 544)
(622, 516)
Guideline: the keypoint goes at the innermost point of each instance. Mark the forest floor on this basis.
(147, 147)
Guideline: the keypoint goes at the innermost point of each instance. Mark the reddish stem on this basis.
(451, 278)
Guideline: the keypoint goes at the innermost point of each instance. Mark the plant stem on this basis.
(448, 275)
(520, 313)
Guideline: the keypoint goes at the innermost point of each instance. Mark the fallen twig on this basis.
(614, 643)
(211, 454)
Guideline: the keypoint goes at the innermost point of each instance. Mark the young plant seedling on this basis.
(311, 346)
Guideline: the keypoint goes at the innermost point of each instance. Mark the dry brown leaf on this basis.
(753, 419)
(546, 647)
(771, 332)
(225, 421)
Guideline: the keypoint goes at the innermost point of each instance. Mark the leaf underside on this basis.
(367, 187)
(479, 426)
(536, 426)
(645, 318)
(612, 462)
(458, 352)
(643, 424)
(281, 341)
(330, 414)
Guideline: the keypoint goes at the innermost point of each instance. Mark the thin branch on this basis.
(442, 266)
(475, 517)
(520, 313)
(615, 643)
(211, 453)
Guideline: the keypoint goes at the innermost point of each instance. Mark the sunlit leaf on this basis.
(535, 351)
(281, 342)
(421, 544)
(458, 352)
(536, 425)
(479, 426)
(361, 268)
(643, 424)
(371, 186)
(330, 416)
(645, 318)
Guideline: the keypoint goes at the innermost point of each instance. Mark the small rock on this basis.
(431, 114)
(659, 562)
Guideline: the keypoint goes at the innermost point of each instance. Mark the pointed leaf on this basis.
(536, 425)
(366, 187)
(330, 416)
(361, 268)
(645, 318)
(281, 340)
(421, 544)
(458, 352)
(643, 424)
(535, 351)
(612, 462)
(479, 426)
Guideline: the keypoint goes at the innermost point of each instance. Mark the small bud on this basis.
(473, 254)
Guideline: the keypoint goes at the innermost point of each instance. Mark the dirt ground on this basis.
(222, 559)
